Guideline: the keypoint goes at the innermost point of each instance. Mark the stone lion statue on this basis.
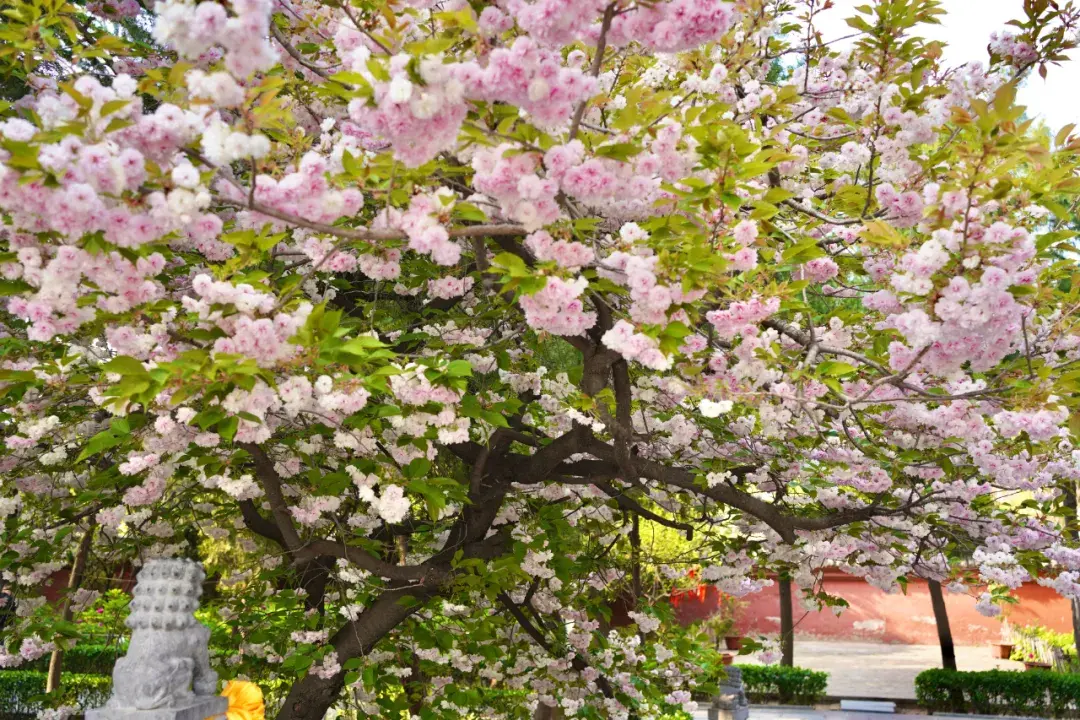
(167, 665)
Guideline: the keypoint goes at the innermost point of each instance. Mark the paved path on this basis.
(878, 670)
(801, 714)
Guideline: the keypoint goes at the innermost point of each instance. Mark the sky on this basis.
(966, 28)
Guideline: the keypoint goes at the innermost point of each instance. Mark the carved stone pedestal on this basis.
(730, 703)
(166, 673)
(199, 708)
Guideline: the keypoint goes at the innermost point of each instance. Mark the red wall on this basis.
(53, 587)
(876, 616)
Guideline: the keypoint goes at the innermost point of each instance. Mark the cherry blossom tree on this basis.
(431, 313)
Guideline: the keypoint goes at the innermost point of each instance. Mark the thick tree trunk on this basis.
(948, 650)
(311, 696)
(1076, 621)
(543, 712)
(75, 578)
(1071, 532)
(787, 624)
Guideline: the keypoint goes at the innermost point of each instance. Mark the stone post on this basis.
(166, 673)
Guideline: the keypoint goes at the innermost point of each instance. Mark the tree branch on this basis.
(597, 63)
(258, 524)
(819, 215)
(578, 662)
(492, 230)
(295, 55)
(271, 484)
(629, 504)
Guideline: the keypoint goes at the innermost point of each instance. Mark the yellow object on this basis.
(245, 701)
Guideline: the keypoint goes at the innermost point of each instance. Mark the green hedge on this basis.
(1000, 692)
(83, 659)
(23, 691)
(788, 685)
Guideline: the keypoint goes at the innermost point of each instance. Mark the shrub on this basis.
(788, 685)
(1000, 692)
(84, 659)
(23, 691)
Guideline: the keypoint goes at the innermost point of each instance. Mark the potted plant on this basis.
(1036, 659)
(727, 658)
(718, 627)
(1003, 650)
(731, 608)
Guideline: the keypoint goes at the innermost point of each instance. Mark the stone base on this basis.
(198, 708)
(717, 713)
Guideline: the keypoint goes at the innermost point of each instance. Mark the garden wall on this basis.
(877, 616)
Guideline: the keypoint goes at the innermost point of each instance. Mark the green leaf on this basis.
(459, 368)
(14, 287)
(118, 123)
(803, 252)
(1022, 290)
(418, 468)
(764, 211)
(363, 342)
(494, 418)
(350, 77)
(125, 365)
(377, 71)
(227, 428)
(240, 238)
(513, 264)
(457, 18)
(208, 417)
(778, 195)
(351, 163)
(470, 212)
(618, 151)
(112, 106)
(111, 437)
(434, 498)
(831, 368)
(470, 407)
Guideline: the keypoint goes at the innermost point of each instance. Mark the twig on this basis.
(486, 230)
(295, 54)
(597, 63)
(820, 216)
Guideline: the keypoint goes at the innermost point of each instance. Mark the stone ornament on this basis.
(730, 703)
(166, 673)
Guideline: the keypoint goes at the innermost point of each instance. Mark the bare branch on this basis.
(271, 484)
(819, 215)
(489, 230)
(597, 63)
(631, 505)
(319, 70)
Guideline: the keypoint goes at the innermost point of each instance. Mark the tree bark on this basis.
(1072, 533)
(543, 712)
(787, 624)
(311, 696)
(75, 578)
(1076, 621)
(948, 650)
